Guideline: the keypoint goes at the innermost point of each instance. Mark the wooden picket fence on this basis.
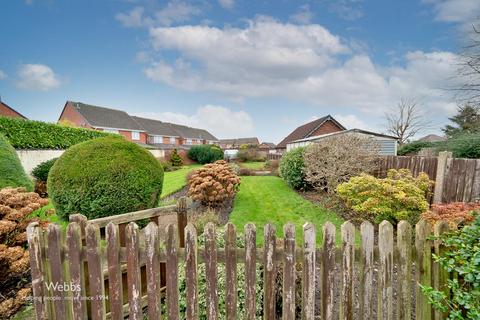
(86, 264)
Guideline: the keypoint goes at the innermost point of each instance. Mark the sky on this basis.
(236, 68)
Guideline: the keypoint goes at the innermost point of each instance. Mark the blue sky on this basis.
(236, 68)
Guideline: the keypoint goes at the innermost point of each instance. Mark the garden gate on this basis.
(356, 280)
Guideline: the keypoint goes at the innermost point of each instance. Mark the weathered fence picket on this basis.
(366, 270)
(328, 270)
(250, 270)
(335, 269)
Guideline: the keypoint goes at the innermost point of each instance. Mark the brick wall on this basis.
(327, 127)
(7, 112)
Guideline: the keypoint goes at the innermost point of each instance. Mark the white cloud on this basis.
(227, 4)
(134, 18)
(351, 121)
(455, 10)
(172, 12)
(347, 9)
(220, 121)
(304, 63)
(237, 60)
(36, 77)
(3, 75)
(303, 16)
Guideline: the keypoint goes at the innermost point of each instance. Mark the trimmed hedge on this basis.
(205, 153)
(11, 170)
(26, 134)
(104, 177)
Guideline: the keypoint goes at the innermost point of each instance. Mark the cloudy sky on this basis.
(234, 67)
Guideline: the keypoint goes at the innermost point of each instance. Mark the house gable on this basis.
(7, 111)
(320, 126)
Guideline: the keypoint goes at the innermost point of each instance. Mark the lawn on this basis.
(268, 199)
(259, 165)
(176, 180)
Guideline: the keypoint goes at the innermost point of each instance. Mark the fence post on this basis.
(439, 180)
(181, 220)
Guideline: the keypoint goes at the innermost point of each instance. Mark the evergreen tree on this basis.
(175, 159)
(467, 120)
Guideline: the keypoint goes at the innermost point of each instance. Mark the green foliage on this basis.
(399, 196)
(461, 260)
(104, 177)
(11, 170)
(175, 159)
(467, 120)
(292, 168)
(241, 308)
(250, 153)
(26, 134)
(415, 147)
(205, 153)
(41, 171)
(466, 145)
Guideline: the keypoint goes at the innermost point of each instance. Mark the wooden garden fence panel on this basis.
(456, 180)
(353, 279)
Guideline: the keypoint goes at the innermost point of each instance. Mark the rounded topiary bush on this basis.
(11, 170)
(104, 177)
(292, 168)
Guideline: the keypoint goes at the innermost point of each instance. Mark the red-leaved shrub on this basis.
(453, 213)
(213, 183)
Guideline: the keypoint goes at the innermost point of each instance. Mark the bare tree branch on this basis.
(406, 120)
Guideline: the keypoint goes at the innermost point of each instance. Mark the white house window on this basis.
(135, 135)
(110, 131)
(172, 140)
(157, 139)
(189, 141)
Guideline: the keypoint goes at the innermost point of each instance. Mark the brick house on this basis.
(165, 133)
(103, 119)
(136, 129)
(238, 142)
(7, 111)
(317, 127)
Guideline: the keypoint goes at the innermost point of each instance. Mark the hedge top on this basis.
(27, 134)
(11, 170)
(104, 177)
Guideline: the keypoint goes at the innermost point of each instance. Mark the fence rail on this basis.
(336, 281)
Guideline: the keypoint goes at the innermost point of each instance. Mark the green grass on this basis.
(268, 199)
(42, 214)
(259, 165)
(175, 180)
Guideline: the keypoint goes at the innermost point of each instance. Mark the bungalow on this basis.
(103, 119)
(317, 127)
(387, 144)
(238, 142)
(164, 133)
(7, 111)
(136, 129)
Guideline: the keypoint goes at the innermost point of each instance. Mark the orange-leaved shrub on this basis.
(16, 205)
(213, 183)
(453, 213)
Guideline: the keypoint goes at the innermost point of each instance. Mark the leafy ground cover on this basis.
(258, 165)
(268, 199)
(175, 180)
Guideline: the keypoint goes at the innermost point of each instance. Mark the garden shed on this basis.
(387, 144)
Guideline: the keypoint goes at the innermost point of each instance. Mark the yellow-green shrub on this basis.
(399, 196)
